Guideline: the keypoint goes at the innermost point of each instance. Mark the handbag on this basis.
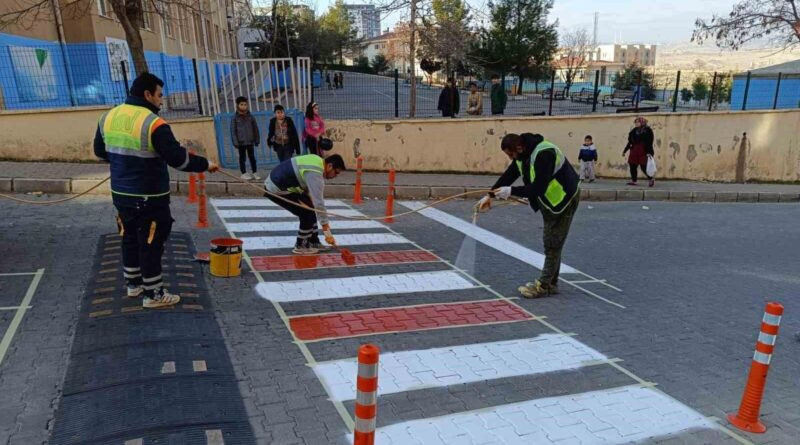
(651, 166)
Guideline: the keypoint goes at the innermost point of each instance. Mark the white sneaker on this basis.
(161, 298)
(135, 291)
(246, 176)
(254, 176)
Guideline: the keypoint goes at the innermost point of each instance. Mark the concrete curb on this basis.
(345, 191)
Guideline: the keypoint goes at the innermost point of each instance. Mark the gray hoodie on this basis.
(244, 130)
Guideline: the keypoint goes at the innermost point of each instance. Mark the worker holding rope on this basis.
(551, 185)
(297, 185)
(139, 146)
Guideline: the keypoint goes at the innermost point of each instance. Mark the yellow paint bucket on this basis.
(226, 257)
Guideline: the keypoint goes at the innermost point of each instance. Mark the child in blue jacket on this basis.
(587, 156)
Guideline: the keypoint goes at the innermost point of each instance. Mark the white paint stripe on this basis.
(439, 367)
(288, 291)
(16, 274)
(264, 202)
(486, 237)
(291, 226)
(15, 322)
(774, 320)
(361, 239)
(762, 358)
(767, 339)
(276, 213)
(612, 416)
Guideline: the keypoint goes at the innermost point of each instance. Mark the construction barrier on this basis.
(366, 395)
(747, 417)
(202, 210)
(357, 192)
(390, 198)
(192, 196)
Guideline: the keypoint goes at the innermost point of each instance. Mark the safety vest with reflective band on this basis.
(136, 168)
(564, 185)
(290, 175)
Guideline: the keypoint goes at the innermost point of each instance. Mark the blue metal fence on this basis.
(229, 155)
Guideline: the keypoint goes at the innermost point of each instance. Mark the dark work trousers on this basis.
(284, 152)
(308, 219)
(635, 171)
(145, 228)
(556, 229)
(251, 153)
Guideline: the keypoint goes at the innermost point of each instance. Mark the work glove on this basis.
(502, 193)
(212, 167)
(326, 230)
(484, 204)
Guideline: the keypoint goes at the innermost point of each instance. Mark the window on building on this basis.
(146, 16)
(209, 29)
(198, 31)
(103, 8)
(183, 23)
(167, 20)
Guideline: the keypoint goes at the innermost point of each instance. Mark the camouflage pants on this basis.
(556, 229)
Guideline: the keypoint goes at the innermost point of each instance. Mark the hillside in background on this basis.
(709, 58)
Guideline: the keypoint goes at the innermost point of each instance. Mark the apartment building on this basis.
(76, 59)
(365, 19)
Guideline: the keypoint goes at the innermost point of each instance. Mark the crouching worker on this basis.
(302, 180)
(552, 186)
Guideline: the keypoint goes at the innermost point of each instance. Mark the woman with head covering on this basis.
(640, 146)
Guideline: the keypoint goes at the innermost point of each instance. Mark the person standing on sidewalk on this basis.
(474, 101)
(449, 99)
(245, 136)
(498, 96)
(139, 146)
(640, 146)
(282, 136)
(301, 180)
(314, 128)
(588, 157)
(551, 185)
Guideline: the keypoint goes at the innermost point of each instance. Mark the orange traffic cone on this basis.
(747, 417)
(192, 198)
(390, 198)
(357, 193)
(202, 210)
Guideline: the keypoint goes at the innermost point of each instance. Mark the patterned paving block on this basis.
(292, 226)
(430, 368)
(432, 316)
(361, 239)
(278, 213)
(320, 289)
(299, 262)
(486, 237)
(614, 416)
(263, 202)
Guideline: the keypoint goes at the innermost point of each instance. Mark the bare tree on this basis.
(575, 47)
(412, 32)
(775, 20)
(130, 13)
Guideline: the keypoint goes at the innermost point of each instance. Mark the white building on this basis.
(643, 55)
(394, 46)
(366, 20)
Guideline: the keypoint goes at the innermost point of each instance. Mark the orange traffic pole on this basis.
(390, 198)
(202, 211)
(366, 408)
(357, 192)
(192, 198)
(747, 417)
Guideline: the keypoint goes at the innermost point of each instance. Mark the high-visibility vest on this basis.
(136, 168)
(290, 175)
(564, 185)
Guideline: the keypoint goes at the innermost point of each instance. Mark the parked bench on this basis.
(558, 95)
(618, 98)
(585, 95)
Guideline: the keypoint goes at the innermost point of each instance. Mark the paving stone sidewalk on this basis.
(62, 177)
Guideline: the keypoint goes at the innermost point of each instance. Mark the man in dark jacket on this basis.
(551, 185)
(449, 100)
(139, 146)
(498, 96)
(282, 135)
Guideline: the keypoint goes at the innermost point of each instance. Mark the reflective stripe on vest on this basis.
(305, 164)
(554, 193)
(126, 131)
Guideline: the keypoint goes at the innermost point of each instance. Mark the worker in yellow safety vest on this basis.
(139, 145)
(551, 185)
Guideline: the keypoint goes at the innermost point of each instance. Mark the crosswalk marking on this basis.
(319, 289)
(280, 213)
(361, 239)
(263, 202)
(290, 226)
(430, 368)
(612, 416)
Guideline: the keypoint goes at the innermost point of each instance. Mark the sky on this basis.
(628, 21)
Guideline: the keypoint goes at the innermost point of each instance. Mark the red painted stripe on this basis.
(277, 263)
(345, 324)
